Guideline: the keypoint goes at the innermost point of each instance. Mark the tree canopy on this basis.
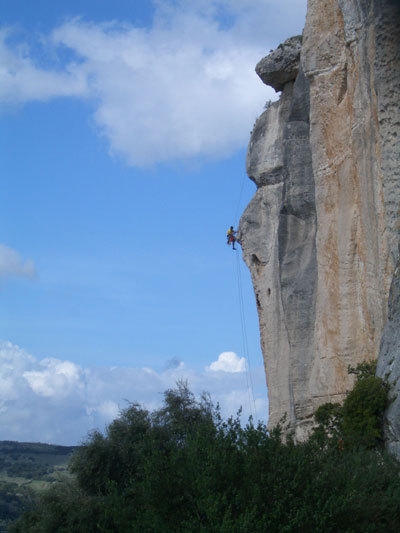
(183, 468)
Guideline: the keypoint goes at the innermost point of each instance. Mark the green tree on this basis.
(359, 421)
(364, 407)
(184, 469)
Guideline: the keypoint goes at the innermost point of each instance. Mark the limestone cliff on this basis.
(321, 234)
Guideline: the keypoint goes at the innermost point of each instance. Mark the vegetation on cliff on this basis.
(183, 468)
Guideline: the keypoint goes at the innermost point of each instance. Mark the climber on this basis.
(231, 237)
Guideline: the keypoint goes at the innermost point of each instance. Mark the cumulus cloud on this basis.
(228, 362)
(58, 401)
(11, 264)
(55, 379)
(183, 88)
(21, 80)
(172, 92)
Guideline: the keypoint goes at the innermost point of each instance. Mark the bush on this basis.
(183, 469)
(359, 421)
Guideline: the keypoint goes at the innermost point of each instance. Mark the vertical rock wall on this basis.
(321, 234)
(387, 68)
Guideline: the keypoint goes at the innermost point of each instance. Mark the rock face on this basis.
(389, 365)
(321, 234)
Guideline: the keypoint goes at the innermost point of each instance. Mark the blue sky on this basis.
(123, 134)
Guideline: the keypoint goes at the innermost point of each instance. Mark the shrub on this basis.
(183, 469)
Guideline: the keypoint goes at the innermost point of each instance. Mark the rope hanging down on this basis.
(236, 219)
(249, 379)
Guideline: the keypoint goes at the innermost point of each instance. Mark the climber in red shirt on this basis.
(231, 237)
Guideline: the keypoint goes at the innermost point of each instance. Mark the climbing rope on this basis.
(249, 379)
(236, 219)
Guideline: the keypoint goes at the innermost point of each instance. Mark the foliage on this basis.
(25, 469)
(183, 469)
(359, 421)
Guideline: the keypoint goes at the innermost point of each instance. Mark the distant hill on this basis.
(25, 469)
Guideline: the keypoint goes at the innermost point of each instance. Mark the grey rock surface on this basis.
(281, 65)
(388, 367)
(277, 233)
(321, 234)
(387, 68)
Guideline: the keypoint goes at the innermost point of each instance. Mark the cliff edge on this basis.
(321, 234)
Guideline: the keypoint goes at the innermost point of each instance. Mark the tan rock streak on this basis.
(320, 235)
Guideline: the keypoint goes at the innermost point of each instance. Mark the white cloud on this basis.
(60, 402)
(12, 265)
(183, 88)
(21, 80)
(58, 379)
(167, 94)
(228, 362)
(108, 409)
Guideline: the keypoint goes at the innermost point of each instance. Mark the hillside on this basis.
(25, 470)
